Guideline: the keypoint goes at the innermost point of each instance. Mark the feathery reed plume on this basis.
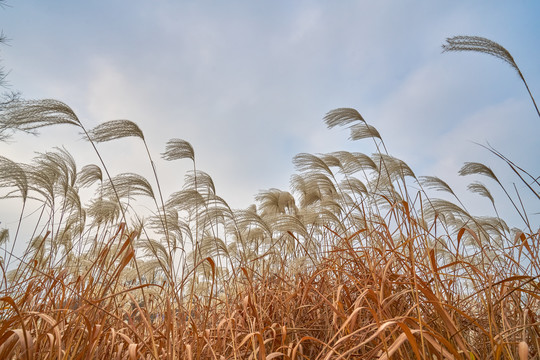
(359, 129)
(187, 199)
(354, 162)
(310, 162)
(178, 149)
(88, 175)
(363, 131)
(481, 189)
(104, 211)
(435, 183)
(115, 129)
(354, 185)
(486, 46)
(342, 117)
(275, 201)
(127, 186)
(470, 168)
(395, 167)
(519, 171)
(30, 115)
(200, 180)
(4, 236)
(479, 44)
(436, 206)
(12, 174)
(313, 187)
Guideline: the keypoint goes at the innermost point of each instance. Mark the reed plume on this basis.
(486, 46)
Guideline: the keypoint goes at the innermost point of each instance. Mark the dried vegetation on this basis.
(358, 260)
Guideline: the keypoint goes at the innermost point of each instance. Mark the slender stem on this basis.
(530, 94)
(164, 219)
(16, 234)
(119, 204)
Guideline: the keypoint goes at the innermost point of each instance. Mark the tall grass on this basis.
(358, 260)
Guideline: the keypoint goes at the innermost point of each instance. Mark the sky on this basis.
(248, 83)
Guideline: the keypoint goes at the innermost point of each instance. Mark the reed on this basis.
(359, 259)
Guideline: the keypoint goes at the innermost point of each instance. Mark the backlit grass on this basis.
(359, 259)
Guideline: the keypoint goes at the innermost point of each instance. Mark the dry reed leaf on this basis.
(523, 350)
(8, 341)
(258, 349)
(126, 338)
(144, 316)
(55, 339)
(25, 341)
(381, 328)
(350, 320)
(394, 346)
(410, 336)
(447, 319)
(132, 351)
(119, 351)
(275, 355)
(443, 350)
(298, 346)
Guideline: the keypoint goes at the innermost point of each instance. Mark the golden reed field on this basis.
(360, 259)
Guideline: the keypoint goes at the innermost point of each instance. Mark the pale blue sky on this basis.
(247, 83)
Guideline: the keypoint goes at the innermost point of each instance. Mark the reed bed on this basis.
(358, 260)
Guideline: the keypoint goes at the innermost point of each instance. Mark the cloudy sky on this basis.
(247, 83)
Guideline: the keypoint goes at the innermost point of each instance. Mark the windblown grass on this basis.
(359, 260)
